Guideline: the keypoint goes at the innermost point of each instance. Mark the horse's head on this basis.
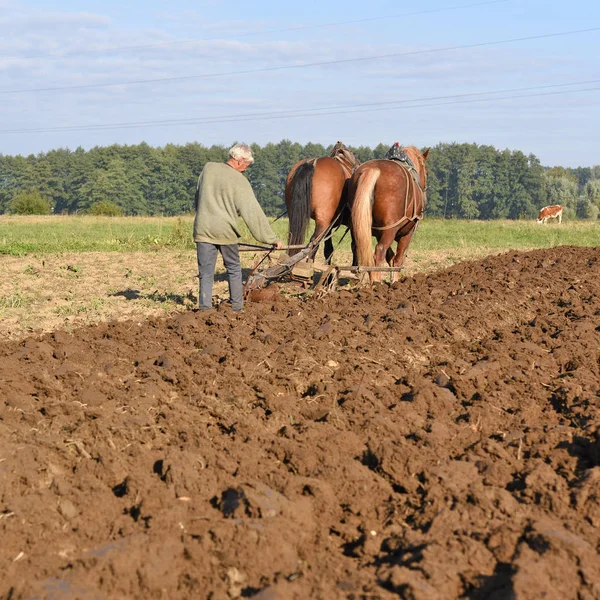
(419, 160)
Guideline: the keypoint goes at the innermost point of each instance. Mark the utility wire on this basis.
(348, 109)
(301, 66)
(250, 34)
(297, 112)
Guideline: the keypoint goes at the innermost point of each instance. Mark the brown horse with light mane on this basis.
(387, 199)
(317, 188)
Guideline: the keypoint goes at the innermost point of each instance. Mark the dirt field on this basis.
(436, 439)
(65, 291)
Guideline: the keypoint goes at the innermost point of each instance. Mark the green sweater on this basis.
(222, 195)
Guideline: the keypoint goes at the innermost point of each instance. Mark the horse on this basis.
(317, 188)
(387, 199)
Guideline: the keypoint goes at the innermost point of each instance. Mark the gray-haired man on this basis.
(222, 195)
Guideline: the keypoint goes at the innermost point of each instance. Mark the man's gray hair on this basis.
(241, 152)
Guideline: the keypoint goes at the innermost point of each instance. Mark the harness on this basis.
(397, 155)
(343, 156)
(347, 160)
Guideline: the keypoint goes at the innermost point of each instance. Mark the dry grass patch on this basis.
(71, 290)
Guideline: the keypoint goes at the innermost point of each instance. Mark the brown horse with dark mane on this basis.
(317, 188)
(387, 199)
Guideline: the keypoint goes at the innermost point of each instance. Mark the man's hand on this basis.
(278, 245)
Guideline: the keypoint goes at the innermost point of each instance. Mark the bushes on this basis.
(105, 208)
(30, 203)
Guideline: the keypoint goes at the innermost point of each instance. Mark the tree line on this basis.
(466, 181)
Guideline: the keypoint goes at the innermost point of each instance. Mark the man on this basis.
(222, 195)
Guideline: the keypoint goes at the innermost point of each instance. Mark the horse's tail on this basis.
(362, 217)
(299, 210)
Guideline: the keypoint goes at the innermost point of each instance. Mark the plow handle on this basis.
(253, 248)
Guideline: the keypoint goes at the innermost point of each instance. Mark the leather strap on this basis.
(410, 177)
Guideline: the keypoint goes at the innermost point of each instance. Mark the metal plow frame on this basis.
(327, 281)
(259, 279)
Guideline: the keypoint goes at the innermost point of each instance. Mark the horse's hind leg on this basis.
(320, 227)
(389, 257)
(398, 260)
(383, 245)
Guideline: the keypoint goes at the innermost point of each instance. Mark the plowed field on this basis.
(434, 439)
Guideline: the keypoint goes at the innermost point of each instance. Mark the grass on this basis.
(22, 236)
(438, 234)
(15, 301)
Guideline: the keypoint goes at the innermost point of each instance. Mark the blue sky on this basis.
(422, 96)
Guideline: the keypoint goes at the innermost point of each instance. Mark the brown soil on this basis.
(438, 438)
(39, 294)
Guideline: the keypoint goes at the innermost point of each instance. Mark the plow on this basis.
(301, 268)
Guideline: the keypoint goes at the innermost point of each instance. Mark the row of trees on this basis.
(466, 181)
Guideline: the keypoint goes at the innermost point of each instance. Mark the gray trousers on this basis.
(207, 260)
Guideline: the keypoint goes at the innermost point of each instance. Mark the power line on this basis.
(250, 34)
(301, 66)
(295, 112)
(335, 110)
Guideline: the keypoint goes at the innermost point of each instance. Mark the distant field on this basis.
(65, 272)
(20, 236)
(56, 234)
